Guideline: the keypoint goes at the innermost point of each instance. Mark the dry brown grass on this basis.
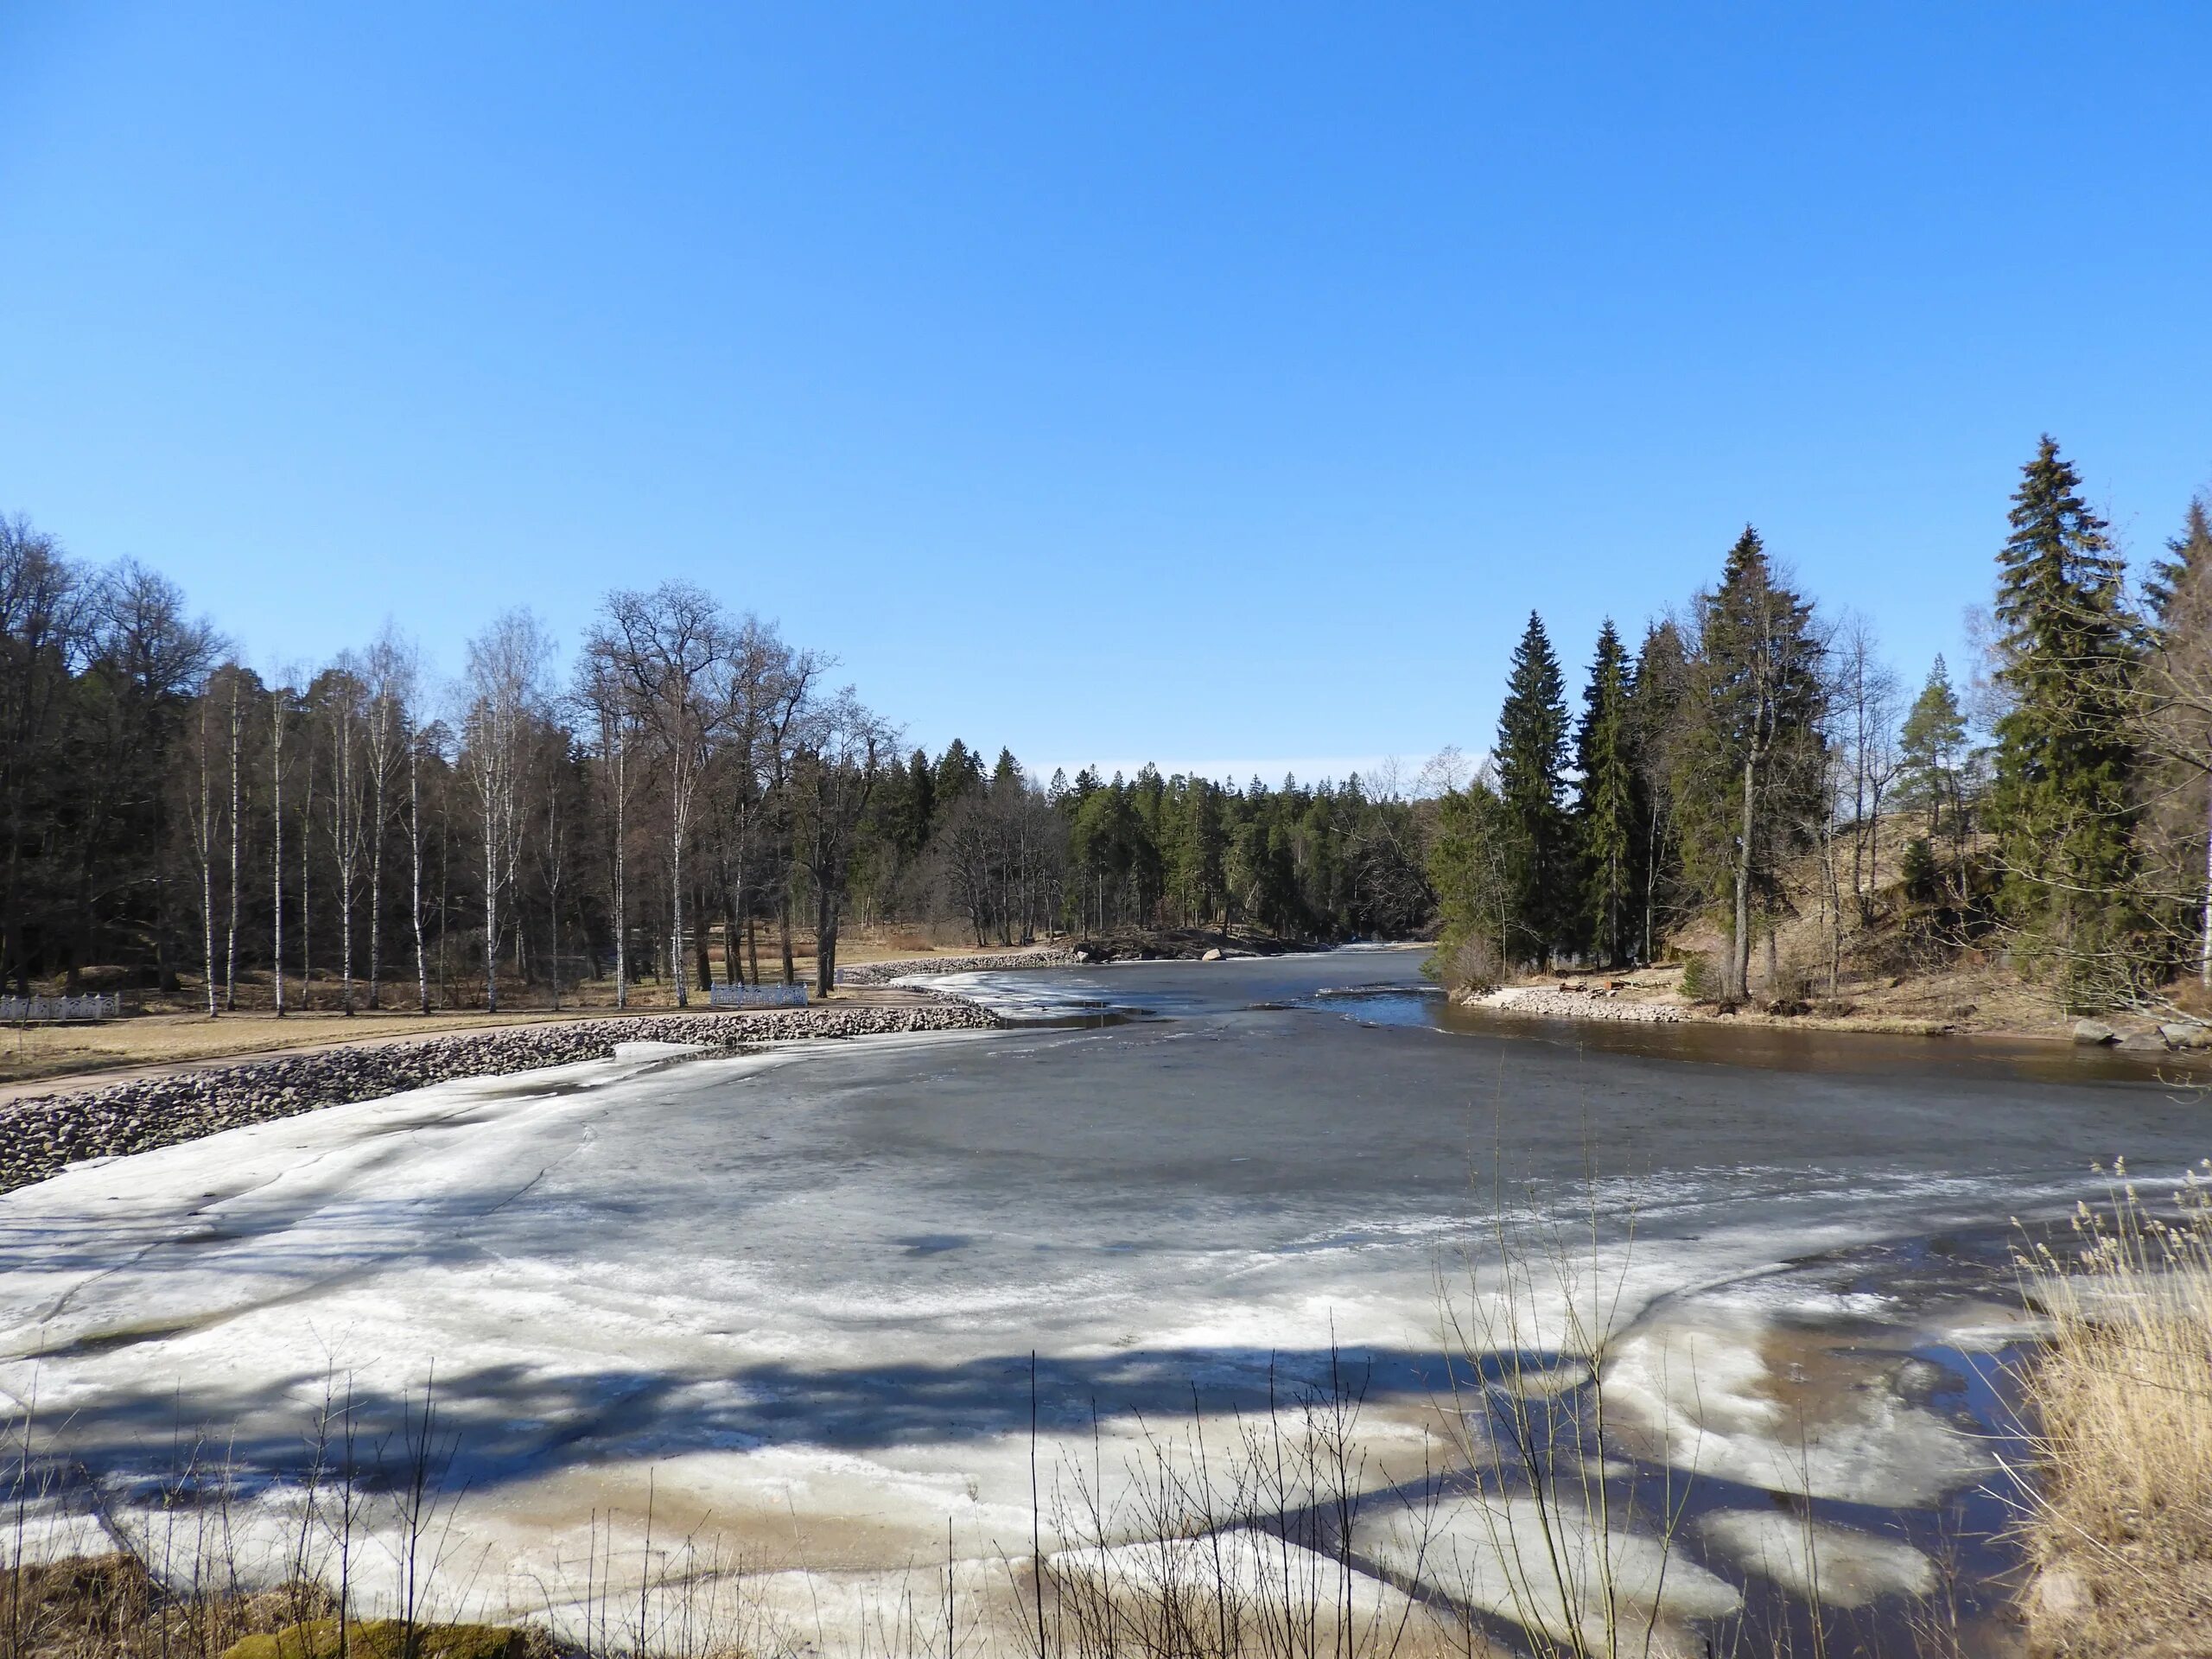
(2119, 1527)
(110, 1607)
(176, 1030)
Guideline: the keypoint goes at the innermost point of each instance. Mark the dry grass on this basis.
(176, 1030)
(2120, 1527)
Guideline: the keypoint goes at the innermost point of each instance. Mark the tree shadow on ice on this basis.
(514, 1422)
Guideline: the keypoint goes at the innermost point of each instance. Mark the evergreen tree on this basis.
(2061, 804)
(959, 774)
(1606, 804)
(2173, 842)
(1470, 867)
(2182, 575)
(1655, 695)
(1531, 757)
(918, 805)
(1748, 787)
(1932, 746)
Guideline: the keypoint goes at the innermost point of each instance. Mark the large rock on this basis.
(2187, 1034)
(1213, 955)
(2093, 1032)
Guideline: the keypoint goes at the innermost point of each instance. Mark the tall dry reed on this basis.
(2117, 1512)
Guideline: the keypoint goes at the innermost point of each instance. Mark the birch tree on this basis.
(390, 673)
(505, 690)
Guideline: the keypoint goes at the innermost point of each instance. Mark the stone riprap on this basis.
(882, 973)
(41, 1134)
(1538, 1003)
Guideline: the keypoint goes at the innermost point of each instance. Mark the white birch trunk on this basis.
(276, 833)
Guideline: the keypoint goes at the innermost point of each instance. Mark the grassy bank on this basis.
(175, 1029)
(2119, 1523)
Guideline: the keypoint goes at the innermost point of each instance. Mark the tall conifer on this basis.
(1606, 800)
(1655, 698)
(1749, 783)
(2061, 806)
(1531, 758)
(2182, 577)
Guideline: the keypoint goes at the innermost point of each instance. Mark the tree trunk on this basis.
(1740, 946)
(376, 889)
(491, 902)
(675, 914)
(415, 860)
(306, 883)
(207, 839)
(2204, 959)
(825, 939)
(277, 832)
(784, 926)
(230, 940)
(620, 768)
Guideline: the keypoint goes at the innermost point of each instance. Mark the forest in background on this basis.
(671, 805)
(688, 791)
(1740, 769)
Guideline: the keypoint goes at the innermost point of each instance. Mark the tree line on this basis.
(673, 804)
(1742, 765)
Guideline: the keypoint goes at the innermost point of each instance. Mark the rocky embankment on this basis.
(882, 973)
(42, 1134)
(1538, 1003)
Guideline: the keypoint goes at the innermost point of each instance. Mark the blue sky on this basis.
(1221, 383)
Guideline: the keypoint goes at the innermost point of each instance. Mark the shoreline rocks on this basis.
(42, 1135)
(1535, 1003)
(883, 973)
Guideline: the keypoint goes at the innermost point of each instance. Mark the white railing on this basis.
(35, 1010)
(757, 996)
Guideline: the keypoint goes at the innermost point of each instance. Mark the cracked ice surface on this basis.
(792, 1298)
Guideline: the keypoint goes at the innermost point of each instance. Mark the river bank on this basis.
(854, 1306)
(43, 1134)
(1982, 1003)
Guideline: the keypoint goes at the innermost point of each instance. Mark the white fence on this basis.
(34, 1010)
(757, 996)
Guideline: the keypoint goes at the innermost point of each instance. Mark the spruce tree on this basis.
(2174, 842)
(1605, 802)
(1655, 698)
(1531, 758)
(1931, 749)
(1748, 788)
(2061, 805)
(2180, 578)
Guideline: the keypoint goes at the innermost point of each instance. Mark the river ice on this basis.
(809, 1303)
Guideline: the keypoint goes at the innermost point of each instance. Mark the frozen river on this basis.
(795, 1298)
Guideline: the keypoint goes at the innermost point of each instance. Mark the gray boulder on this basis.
(2188, 1034)
(2093, 1032)
(2144, 1040)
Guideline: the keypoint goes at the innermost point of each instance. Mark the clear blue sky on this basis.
(1217, 382)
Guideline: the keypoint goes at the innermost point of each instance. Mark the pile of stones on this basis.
(882, 973)
(1581, 1005)
(41, 1134)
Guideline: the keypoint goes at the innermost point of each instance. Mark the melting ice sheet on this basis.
(698, 1288)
